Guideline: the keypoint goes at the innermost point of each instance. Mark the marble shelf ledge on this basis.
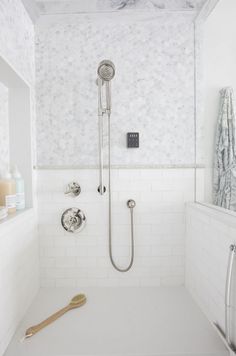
(15, 216)
(97, 6)
(158, 166)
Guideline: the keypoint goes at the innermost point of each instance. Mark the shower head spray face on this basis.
(106, 70)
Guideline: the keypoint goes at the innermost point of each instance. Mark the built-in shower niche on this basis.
(16, 121)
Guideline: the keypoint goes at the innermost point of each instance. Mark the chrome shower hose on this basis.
(130, 204)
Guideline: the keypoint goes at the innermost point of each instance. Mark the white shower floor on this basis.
(119, 322)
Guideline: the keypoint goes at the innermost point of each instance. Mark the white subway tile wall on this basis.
(82, 259)
(209, 233)
(19, 275)
(19, 271)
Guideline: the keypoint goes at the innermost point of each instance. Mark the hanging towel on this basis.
(224, 175)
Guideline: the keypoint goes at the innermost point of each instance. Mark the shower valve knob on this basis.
(73, 189)
(73, 220)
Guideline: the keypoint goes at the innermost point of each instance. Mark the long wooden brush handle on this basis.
(34, 329)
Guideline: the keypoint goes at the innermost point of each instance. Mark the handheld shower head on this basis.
(106, 70)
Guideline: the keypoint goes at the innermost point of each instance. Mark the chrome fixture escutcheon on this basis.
(131, 203)
(73, 220)
(73, 188)
(100, 188)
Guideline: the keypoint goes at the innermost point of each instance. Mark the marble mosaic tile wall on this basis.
(17, 47)
(17, 38)
(4, 128)
(152, 91)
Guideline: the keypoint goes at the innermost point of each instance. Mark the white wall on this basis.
(219, 56)
(19, 278)
(209, 233)
(159, 228)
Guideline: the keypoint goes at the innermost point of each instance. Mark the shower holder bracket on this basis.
(99, 189)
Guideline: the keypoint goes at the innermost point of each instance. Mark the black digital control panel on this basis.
(132, 139)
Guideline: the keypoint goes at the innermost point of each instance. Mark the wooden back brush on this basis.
(75, 302)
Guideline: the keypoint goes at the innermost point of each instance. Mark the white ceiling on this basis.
(37, 8)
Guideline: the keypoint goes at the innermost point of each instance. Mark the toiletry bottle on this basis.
(8, 192)
(20, 189)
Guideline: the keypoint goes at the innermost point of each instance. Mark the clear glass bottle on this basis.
(20, 189)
